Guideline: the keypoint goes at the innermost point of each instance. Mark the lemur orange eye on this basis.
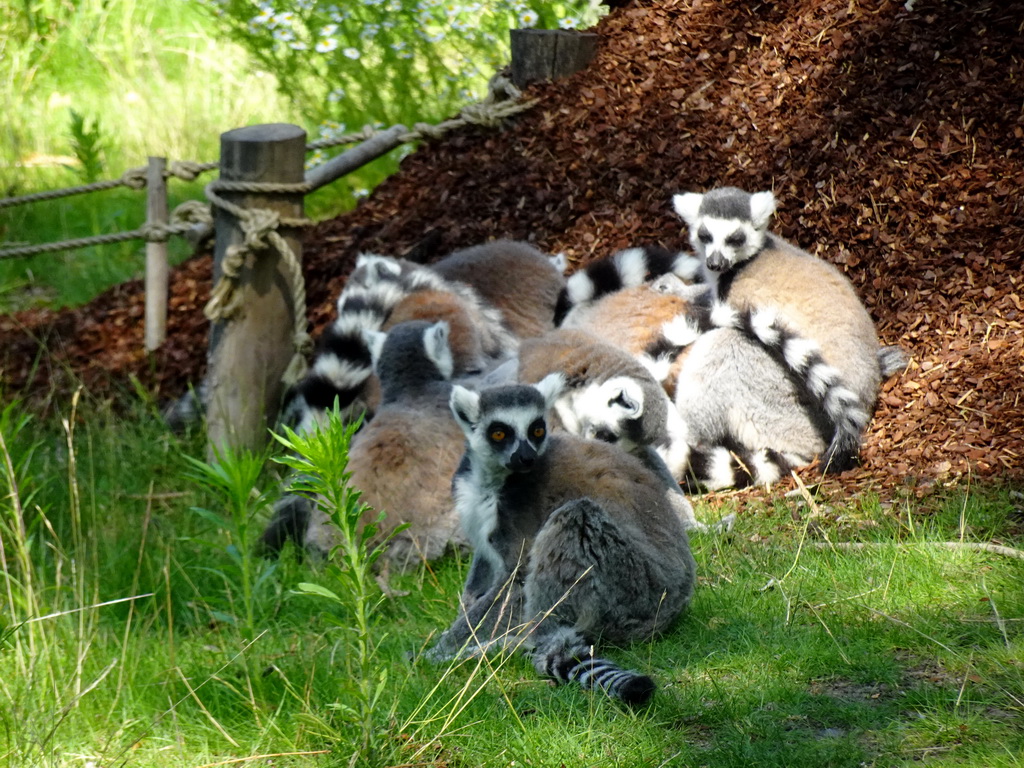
(538, 432)
(497, 435)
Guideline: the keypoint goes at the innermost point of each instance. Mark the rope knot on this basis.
(134, 178)
(192, 212)
(157, 233)
(257, 224)
(187, 170)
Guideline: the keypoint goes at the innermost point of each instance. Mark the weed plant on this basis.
(128, 636)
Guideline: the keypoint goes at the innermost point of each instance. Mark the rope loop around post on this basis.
(260, 231)
(135, 178)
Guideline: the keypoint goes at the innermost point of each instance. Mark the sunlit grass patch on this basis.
(128, 636)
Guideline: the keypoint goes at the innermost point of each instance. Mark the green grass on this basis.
(792, 653)
(156, 80)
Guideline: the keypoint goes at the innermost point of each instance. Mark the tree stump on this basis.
(549, 54)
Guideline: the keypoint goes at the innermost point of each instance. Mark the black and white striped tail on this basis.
(834, 410)
(731, 465)
(595, 673)
(625, 269)
(342, 362)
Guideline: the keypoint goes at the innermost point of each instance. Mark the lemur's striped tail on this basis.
(624, 269)
(576, 663)
(342, 362)
(833, 409)
(732, 466)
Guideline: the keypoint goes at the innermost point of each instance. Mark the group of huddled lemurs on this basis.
(548, 423)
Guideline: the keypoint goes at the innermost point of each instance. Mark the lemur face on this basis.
(609, 411)
(505, 427)
(727, 225)
(516, 438)
(724, 243)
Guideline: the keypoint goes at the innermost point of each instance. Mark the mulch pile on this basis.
(894, 141)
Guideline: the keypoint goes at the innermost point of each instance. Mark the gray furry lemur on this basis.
(574, 542)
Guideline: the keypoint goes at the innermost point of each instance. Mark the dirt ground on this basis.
(892, 137)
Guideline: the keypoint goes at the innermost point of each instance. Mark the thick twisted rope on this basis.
(501, 102)
(259, 229)
(133, 178)
(182, 219)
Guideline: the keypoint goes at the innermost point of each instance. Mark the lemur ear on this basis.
(465, 405)
(551, 388)
(627, 396)
(762, 206)
(435, 343)
(378, 266)
(375, 343)
(559, 261)
(687, 205)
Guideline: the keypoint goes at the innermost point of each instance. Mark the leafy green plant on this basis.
(87, 144)
(384, 60)
(233, 477)
(320, 461)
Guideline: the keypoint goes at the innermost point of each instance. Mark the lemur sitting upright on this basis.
(403, 460)
(574, 541)
(753, 269)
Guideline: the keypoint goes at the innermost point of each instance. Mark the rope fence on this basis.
(255, 229)
(501, 102)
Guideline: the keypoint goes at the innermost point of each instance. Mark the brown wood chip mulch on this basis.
(893, 138)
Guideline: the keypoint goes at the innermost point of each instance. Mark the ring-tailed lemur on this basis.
(574, 540)
(624, 269)
(468, 289)
(403, 460)
(756, 399)
(608, 395)
(515, 278)
(655, 322)
(751, 268)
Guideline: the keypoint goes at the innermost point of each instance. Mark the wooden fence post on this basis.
(549, 54)
(157, 268)
(249, 353)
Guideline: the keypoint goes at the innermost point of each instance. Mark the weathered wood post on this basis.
(549, 54)
(250, 351)
(157, 268)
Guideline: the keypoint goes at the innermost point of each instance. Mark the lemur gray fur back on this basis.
(574, 541)
(403, 460)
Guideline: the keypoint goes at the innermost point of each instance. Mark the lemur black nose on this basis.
(716, 261)
(522, 458)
